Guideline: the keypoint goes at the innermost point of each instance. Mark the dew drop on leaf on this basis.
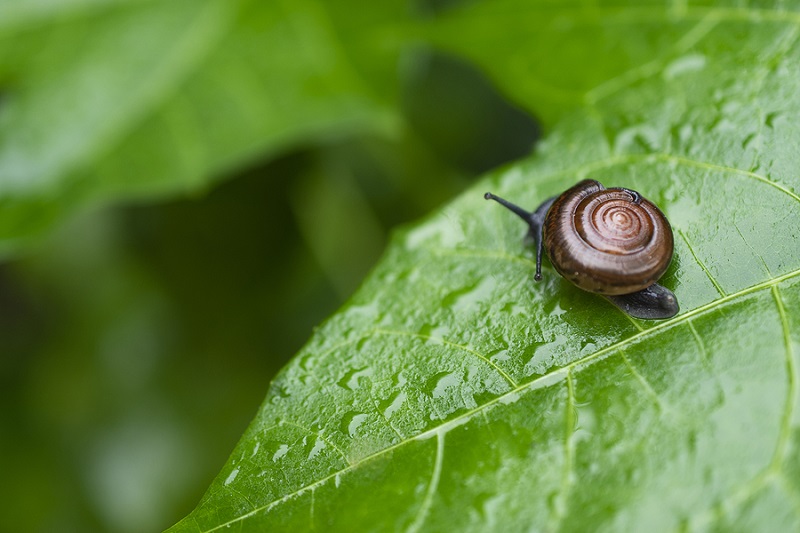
(398, 380)
(232, 476)
(350, 380)
(392, 404)
(588, 345)
(280, 390)
(282, 450)
(770, 119)
(467, 297)
(317, 445)
(437, 386)
(351, 422)
(499, 355)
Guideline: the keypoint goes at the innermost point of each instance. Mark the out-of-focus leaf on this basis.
(134, 98)
(454, 394)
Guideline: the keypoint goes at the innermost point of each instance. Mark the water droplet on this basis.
(439, 383)
(367, 310)
(638, 138)
(692, 443)
(468, 297)
(398, 381)
(500, 353)
(437, 233)
(351, 422)
(350, 380)
(515, 308)
(479, 504)
(232, 476)
(279, 389)
(392, 404)
(307, 361)
(492, 507)
(318, 446)
(553, 308)
(588, 345)
(684, 64)
(749, 141)
(770, 119)
(542, 354)
(360, 343)
(430, 330)
(282, 450)
(585, 421)
(681, 134)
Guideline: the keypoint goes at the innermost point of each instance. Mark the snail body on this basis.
(611, 242)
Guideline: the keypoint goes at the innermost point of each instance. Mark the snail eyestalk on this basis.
(535, 221)
(523, 214)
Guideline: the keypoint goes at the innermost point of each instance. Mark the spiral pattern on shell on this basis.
(608, 241)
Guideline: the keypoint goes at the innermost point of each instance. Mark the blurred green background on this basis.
(139, 337)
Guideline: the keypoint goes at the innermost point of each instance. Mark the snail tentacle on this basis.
(535, 220)
(535, 230)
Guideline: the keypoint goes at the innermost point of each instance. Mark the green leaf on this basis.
(452, 393)
(119, 99)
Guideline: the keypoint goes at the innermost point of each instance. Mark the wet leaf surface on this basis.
(453, 393)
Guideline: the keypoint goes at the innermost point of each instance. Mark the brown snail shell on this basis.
(611, 242)
(608, 241)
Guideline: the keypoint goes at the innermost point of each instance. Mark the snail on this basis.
(612, 242)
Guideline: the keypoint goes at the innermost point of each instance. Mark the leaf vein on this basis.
(700, 344)
(701, 264)
(790, 491)
(317, 434)
(545, 380)
(433, 485)
(561, 507)
(642, 381)
(440, 340)
(383, 415)
(758, 255)
(744, 492)
(792, 381)
(773, 471)
(584, 169)
(711, 166)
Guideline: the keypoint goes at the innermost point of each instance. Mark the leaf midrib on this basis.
(559, 374)
(546, 380)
